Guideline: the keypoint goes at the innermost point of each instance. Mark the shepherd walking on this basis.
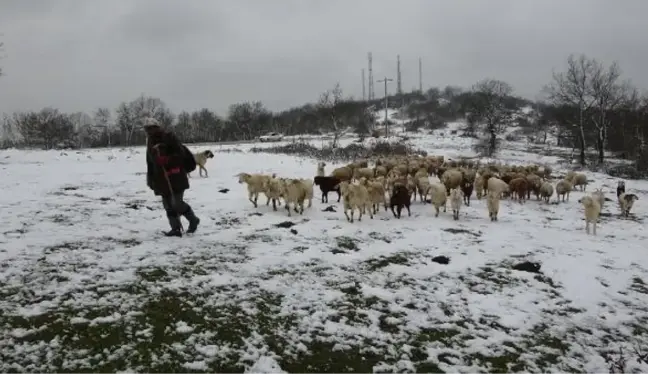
(167, 164)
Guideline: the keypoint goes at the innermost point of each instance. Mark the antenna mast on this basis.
(371, 79)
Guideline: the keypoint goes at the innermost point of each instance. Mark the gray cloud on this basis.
(79, 55)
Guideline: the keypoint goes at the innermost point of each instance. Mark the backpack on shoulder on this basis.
(188, 160)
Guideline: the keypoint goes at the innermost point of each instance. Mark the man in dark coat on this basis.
(166, 176)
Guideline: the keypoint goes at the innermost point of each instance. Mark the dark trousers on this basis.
(175, 206)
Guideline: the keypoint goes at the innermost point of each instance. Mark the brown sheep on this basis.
(343, 173)
(519, 187)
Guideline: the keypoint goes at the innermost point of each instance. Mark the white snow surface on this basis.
(87, 282)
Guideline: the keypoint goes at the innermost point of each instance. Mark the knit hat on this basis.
(150, 122)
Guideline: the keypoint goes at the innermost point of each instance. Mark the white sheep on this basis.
(599, 196)
(546, 191)
(355, 196)
(320, 169)
(497, 186)
(423, 187)
(493, 203)
(577, 179)
(255, 185)
(273, 190)
(479, 187)
(294, 192)
(451, 179)
(376, 190)
(308, 184)
(563, 187)
(456, 199)
(626, 201)
(438, 196)
(592, 212)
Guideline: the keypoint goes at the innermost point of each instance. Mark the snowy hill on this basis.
(88, 284)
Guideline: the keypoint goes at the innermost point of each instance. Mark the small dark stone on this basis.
(255, 214)
(531, 267)
(133, 206)
(293, 231)
(285, 224)
(70, 188)
(224, 190)
(329, 208)
(443, 260)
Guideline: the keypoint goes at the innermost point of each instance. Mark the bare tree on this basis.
(103, 121)
(489, 105)
(250, 117)
(131, 116)
(83, 128)
(328, 106)
(609, 94)
(573, 88)
(48, 128)
(126, 122)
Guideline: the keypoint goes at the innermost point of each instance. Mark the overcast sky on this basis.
(77, 55)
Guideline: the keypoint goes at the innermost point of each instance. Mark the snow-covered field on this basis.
(88, 284)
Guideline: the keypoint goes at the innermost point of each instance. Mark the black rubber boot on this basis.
(176, 225)
(193, 221)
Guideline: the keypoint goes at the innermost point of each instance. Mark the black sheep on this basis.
(620, 188)
(400, 198)
(467, 189)
(326, 185)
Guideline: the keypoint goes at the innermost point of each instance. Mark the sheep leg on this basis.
(301, 207)
(445, 207)
(587, 230)
(268, 200)
(352, 213)
(338, 192)
(393, 211)
(437, 211)
(310, 203)
(274, 204)
(252, 199)
(399, 209)
(409, 213)
(594, 227)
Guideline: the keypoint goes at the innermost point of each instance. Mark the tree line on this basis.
(587, 104)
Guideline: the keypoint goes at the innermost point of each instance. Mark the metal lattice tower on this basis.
(371, 79)
(386, 80)
(420, 75)
(399, 82)
(364, 88)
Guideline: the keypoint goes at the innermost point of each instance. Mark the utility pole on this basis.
(385, 80)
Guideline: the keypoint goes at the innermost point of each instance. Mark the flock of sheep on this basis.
(395, 182)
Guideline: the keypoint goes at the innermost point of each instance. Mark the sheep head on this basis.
(243, 177)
